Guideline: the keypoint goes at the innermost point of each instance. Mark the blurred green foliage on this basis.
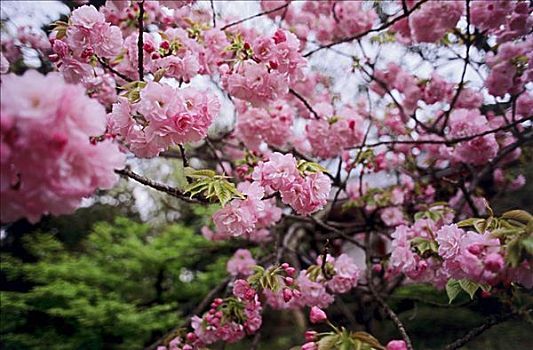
(124, 285)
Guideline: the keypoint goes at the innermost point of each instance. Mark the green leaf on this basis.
(368, 339)
(328, 342)
(469, 287)
(514, 252)
(521, 216)
(453, 288)
(305, 166)
(468, 222)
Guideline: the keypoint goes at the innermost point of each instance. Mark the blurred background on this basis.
(131, 264)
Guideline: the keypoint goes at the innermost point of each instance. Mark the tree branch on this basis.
(304, 101)
(126, 172)
(140, 44)
(478, 330)
(360, 35)
(254, 16)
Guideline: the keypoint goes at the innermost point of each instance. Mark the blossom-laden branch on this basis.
(360, 35)
(172, 191)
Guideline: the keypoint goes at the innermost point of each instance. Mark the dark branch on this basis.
(140, 44)
(478, 330)
(126, 172)
(112, 70)
(304, 101)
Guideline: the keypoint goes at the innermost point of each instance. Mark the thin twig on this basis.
(444, 142)
(254, 16)
(468, 42)
(392, 315)
(214, 13)
(360, 35)
(304, 101)
(183, 156)
(112, 70)
(478, 330)
(126, 172)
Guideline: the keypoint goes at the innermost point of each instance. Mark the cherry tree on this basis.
(359, 144)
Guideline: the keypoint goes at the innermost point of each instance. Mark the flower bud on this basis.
(317, 315)
(310, 335)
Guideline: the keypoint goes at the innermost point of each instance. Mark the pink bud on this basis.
(148, 47)
(310, 346)
(284, 266)
(164, 45)
(279, 37)
(494, 262)
(396, 345)
(290, 271)
(191, 337)
(310, 335)
(287, 295)
(289, 281)
(377, 267)
(474, 249)
(317, 315)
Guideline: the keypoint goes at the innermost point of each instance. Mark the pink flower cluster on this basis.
(464, 123)
(428, 24)
(394, 77)
(405, 260)
(48, 162)
(329, 137)
(87, 34)
(272, 125)
(331, 20)
(511, 68)
(265, 72)
(220, 323)
(248, 218)
(461, 255)
(304, 193)
(241, 263)
(163, 116)
(314, 289)
(507, 20)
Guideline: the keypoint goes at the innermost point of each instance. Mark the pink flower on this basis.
(329, 138)
(241, 263)
(278, 173)
(272, 126)
(253, 82)
(449, 237)
(392, 216)
(427, 23)
(169, 116)
(317, 315)
(47, 124)
(308, 195)
(243, 290)
(464, 123)
(313, 293)
(346, 275)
